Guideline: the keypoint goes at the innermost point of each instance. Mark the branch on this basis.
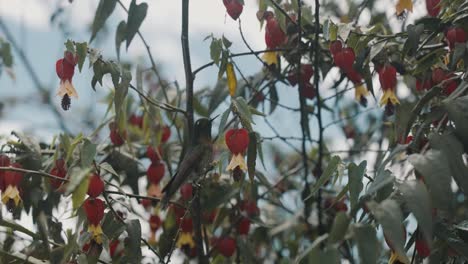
(196, 207)
(319, 112)
(41, 173)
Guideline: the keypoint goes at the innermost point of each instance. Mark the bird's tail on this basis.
(164, 201)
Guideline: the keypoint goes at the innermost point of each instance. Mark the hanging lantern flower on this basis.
(155, 223)
(11, 180)
(234, 8)
(116, 136)
(237, 140)
(154, 154)
(94, 209)
(4, 162)
(65, 69)
(388, 82)
(274, 35)
(96, 186)
(185, 239)
(455, 35)
(11, 195)
(60, 171)
(155, 172)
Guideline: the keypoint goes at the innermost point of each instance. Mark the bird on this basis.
(195, 162)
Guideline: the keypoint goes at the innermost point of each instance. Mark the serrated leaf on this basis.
(224, 62)
(5, 53)
(226, 42)
(434, 168)
(418, 201)
(355, 175)
(103, 11)
(412, 42)
(274, 98)
(252, 155)
(223, 121)
(216, 47)
(77, 175)
(70, 46)
(132, 242)
(389, 215)
(88, 151)
(326, 175)
(112, 227)
(79, 194)
(107, 167)
(120, 35)
(136, 15)
(82, 52)
(244, 112)
(367, 243)
(339, 228)
(231, 79)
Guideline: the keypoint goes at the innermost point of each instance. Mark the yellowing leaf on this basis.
(402, 5)
(231, 79)
(270, 57)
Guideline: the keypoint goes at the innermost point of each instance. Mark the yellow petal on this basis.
(270, 57)
(96, 231)
(360, 91)
(185, 239)
(402, 5)
(66, 87)
(394, 257)
(237, 161)
(11, 192)
(231, 79)
(389, 95)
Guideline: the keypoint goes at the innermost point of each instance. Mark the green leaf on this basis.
(120, 93)
(136, 15)
(274, 98)
(79, 194)
(367, 243)
(223, 121)
(252, 155)
(82, 52)
(310, 248)
(389, 215)
(328, 255)
(112, 227)
(223, 65)
(418, 201)
(458, 112)
(226, 42)
(88, 151)
(103, 11)
(243, 110)
(457, 55)
(339, 228)
(77, 175)
(355, 175)
(381, 180)
(120, 35)
(326, 175)
(218, 95)
(412, 42)
(434, 168)
(452, 148)
(132, 243)
(5, 53)
(216, 47)
(70, 46)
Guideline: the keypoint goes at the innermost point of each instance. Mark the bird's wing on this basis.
(190, 161)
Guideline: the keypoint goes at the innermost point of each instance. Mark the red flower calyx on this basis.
(234, 8)
(237, 140)
(96, 186)
(155, 172)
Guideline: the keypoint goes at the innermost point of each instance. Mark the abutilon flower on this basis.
(60, 171)
(243, 226)
(185, 239)
(433, 7)
(94, 209)
(4, 162)
(360, 91)
(226, 246)
(344, 59)
(96, 185)
(116, 248)
(65, 69)
(136, 120)
(234, 8)
(274, 35)
(117, 137)
(155, 172)
(155, 223)
(237, 140)
(455, 35)
(154, 154)
(11, 180)
(388, 82)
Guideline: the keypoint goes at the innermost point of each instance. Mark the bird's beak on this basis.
(212, 119)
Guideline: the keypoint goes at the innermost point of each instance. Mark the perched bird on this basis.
(195, 162)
